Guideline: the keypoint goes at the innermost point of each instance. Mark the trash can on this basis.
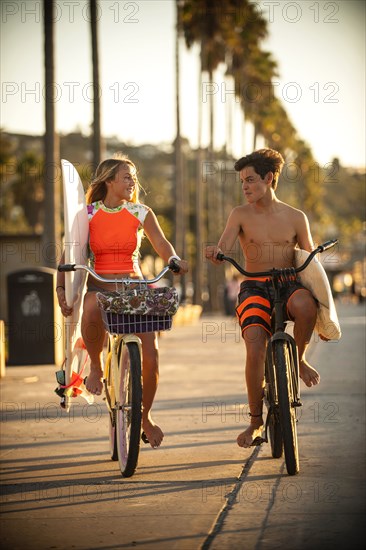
(34, 319)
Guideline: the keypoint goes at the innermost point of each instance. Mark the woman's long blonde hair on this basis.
(106, 171)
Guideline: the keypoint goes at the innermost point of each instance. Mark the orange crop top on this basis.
(115, 236)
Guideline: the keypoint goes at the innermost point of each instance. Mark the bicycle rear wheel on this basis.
(286, 397)
(129, 408)
(274, 426)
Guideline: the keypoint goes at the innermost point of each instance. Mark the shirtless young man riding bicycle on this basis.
(268, 231)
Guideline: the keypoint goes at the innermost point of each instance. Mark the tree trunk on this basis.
(51, 240)
(200, 262)
(213, 209)
(180, 243)
(97, 139)
(255, 136)
(244, 137)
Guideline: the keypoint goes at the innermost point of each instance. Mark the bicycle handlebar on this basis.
(321, 248)
(64, 268)
(328, 244)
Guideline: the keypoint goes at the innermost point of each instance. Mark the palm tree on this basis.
(227, 33)
(201, 22)
(258, 91)
(310, 191)
(274, 125)
(244, 30)
(180, 214)
(97, 141)
(199, 279)
(52, 226)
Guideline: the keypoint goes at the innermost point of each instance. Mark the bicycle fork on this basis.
(289, 340)
(112, 371)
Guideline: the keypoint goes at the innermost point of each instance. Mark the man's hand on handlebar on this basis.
(211, 254)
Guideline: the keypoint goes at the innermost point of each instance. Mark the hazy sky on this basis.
(319, 46)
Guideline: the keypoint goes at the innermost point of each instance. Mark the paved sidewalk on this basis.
(199, 490)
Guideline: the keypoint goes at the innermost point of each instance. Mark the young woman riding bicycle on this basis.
(117, 222)
(268, 231)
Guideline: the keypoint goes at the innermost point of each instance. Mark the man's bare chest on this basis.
(262, 229)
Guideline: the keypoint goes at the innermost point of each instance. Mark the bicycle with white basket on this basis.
(132, 309)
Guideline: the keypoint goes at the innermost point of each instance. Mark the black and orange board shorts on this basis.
(256, 302)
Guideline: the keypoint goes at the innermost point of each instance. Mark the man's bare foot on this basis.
(308, 374)
(94, 382)
(246, 438)
(152, 431)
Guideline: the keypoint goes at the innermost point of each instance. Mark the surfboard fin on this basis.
(74, 389)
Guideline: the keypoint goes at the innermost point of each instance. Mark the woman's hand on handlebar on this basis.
(211, 254)
(65, 309)
(183, 267)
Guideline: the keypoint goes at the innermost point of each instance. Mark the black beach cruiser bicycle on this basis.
(282, 387)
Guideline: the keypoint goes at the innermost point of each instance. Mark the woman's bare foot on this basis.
(152, 431)
(246, 438)
(308, 374)
(94, 382)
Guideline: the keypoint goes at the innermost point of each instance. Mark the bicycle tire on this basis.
(284, 367)
(111, 410)
(129, 410)
(274, 424)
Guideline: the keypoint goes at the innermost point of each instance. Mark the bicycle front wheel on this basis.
(286, 397)
(111, 404)
(129, 407)
(271, 398)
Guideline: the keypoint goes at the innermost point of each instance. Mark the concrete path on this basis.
(199, 490)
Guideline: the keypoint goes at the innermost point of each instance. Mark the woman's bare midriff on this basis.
(105, 286)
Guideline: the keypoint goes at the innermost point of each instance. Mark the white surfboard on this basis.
(76, 229)
(315, 279)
